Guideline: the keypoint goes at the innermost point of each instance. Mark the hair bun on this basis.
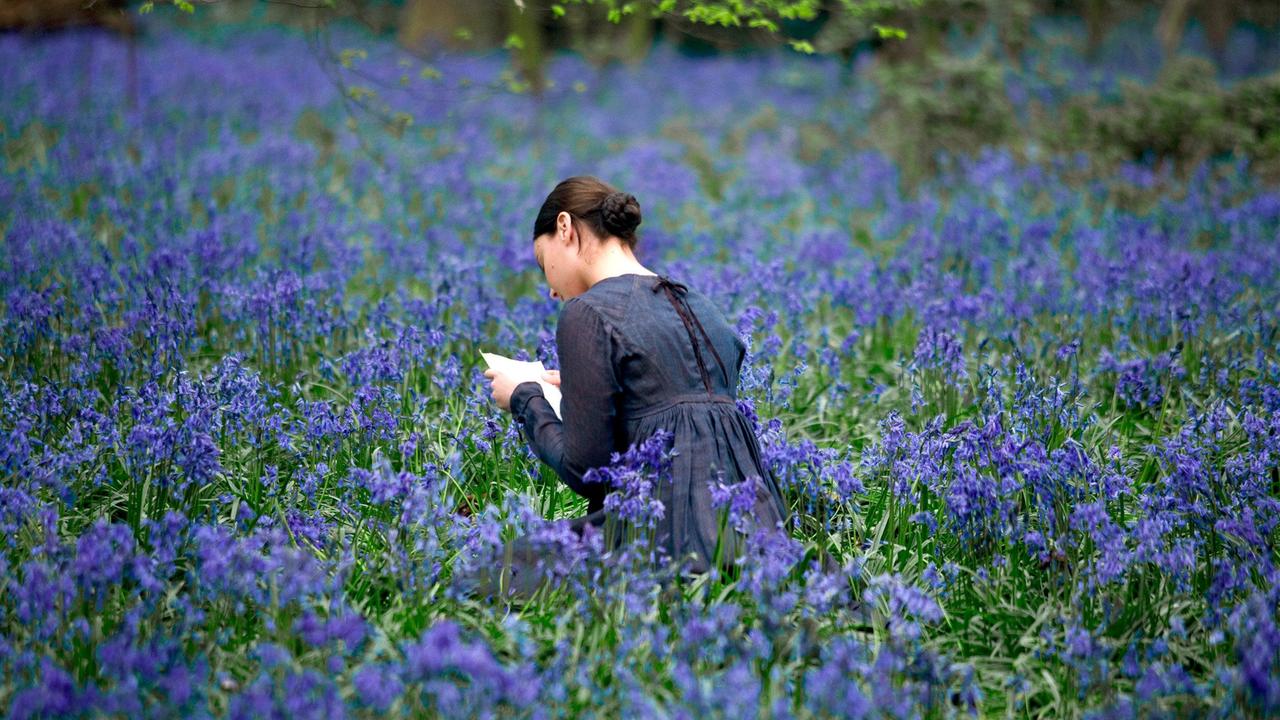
(621, 214)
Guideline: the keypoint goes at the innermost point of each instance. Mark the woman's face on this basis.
(557, 254)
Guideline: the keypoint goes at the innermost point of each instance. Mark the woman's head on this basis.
(579, 218)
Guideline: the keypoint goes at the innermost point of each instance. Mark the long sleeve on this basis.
(589, 388)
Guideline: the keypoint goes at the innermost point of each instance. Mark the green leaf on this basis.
(557, 10)
(803, 46)
(514, 42)
(804, 10)
(887, 32)
(713, 15)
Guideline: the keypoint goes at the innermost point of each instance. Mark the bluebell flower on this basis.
(378, 686)
(634, 476)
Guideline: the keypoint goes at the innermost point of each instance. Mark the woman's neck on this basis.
(614, 259)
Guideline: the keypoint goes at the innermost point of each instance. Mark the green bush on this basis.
(943, 104)
(1179, 117)
(1254, 106)
(950, 105)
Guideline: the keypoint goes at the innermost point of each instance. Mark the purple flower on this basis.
(441, 658)
(103, 556)
(634, 477)
(906, 606)
(738, 499)
(378, 685)
(54, 694)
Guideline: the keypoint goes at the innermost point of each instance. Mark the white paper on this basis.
(525, 371)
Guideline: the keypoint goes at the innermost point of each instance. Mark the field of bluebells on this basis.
(1026, 414)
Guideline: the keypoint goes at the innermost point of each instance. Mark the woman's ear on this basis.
(564, 225)
(567, 231)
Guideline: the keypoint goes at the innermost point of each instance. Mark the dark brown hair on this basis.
(607, 210)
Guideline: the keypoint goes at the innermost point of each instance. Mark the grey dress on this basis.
(638, 353)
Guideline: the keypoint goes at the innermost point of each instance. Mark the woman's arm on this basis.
(585, 437)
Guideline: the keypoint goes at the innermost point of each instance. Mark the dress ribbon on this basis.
(675, 293)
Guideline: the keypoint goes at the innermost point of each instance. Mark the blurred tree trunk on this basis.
(1218, 16)
(601, 41)
(1095, 23)
(530, 56)
(456, 24)
(1171, 25)
(459, 25)
(639, 36)
(1013, 26)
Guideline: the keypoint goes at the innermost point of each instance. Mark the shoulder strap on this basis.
(675, 294)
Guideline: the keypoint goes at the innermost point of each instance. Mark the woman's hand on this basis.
(552, 377)
(502, 387)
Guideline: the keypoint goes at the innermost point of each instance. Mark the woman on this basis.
(638, 352)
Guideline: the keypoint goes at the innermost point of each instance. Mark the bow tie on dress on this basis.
(675, 293)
